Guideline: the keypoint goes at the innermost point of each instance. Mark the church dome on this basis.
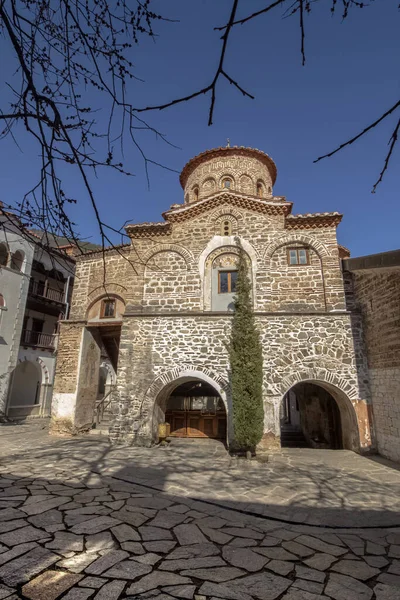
(238, 169)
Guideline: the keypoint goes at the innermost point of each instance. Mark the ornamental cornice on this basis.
(145, 230)
(194, 209)
(313, 220)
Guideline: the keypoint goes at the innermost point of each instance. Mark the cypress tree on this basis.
(246, 363)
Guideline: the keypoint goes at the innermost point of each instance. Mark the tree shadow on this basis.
(322, 488)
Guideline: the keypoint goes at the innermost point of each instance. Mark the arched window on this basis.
(226, 228)
(17, 260)
(3, 255)
(226, 183)
(260, 189)
(196, 193)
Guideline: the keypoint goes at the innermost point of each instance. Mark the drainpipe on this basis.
(66, 297)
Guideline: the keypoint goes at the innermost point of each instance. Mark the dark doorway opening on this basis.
(195, 410)
(310, 418)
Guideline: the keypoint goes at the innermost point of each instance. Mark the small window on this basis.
(226, 228)
(226, 183)
(3, 255)
(108, 308)
(196, 193)
(227, 282)
(298, 256)
(259, 190)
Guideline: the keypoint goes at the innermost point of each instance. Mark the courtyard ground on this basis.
(80, 519)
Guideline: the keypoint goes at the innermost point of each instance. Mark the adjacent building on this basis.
(35, 294)
(160, 307)
(375, 292)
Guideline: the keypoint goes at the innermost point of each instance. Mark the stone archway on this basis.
(154, 402)
(354, 413)
(311, 417)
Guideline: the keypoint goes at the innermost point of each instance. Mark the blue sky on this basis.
(351, 76)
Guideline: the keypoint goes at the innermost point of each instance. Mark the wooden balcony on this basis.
(37, 339)
(41, 291)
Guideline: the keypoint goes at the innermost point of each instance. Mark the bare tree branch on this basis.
(212, 86)
(392, 143)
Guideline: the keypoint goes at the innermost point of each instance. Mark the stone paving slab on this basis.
(106, 535)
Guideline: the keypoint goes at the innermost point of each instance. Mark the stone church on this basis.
(159, 324)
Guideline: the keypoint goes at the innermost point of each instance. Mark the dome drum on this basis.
(244, 170)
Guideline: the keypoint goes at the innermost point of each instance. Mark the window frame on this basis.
(227, 187)
(226, 224)
(298, 263)
(104, 302)
(229, 281)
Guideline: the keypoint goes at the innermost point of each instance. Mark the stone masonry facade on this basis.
(173, 326)
(377, 295)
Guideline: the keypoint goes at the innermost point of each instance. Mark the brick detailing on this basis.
(296, 238)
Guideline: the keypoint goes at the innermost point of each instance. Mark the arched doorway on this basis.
(25, 388)
(194, 409)
(313, 417)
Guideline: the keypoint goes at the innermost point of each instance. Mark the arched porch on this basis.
(318, 414)
(194, 403)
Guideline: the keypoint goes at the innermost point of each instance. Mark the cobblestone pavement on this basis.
(81, 520)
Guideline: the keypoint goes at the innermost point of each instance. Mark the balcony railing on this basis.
(38, 339)
(37, 288)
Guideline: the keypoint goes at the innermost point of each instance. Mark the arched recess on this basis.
(246, 184)
(115, 289)
(26, 384)
(296, 238)
(17, 260)
(96, 311)
(223, 244)
(353, 412)
(227, 182)
(153, 404)
(184, 252)
(3, 255)
(208, 187)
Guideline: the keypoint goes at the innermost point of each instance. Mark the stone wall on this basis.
(169, 272)
(378, 296)
(308, 347)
